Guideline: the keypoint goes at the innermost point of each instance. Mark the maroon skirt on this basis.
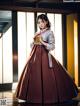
(41, 84)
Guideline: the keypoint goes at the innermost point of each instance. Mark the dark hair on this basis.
(44, 17)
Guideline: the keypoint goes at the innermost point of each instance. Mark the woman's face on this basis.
(42, 24)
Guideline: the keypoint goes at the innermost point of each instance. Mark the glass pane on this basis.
(30, 31)
(0, 60)
(7, 56)
(22, 53)
(58, 37)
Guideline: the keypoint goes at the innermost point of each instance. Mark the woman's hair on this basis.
(44, 18)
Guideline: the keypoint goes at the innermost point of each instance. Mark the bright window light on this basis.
(22, 45)
(30, 31)
(7, 57)
(58, 37)
(0, 60)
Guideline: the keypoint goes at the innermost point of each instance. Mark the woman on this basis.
(44, 79)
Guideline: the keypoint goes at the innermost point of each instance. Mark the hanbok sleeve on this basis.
(51, 42)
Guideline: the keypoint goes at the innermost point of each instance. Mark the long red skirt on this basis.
(41, 84)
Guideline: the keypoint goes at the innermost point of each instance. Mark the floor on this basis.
(7, 99)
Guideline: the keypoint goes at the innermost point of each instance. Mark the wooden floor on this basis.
(8, 99)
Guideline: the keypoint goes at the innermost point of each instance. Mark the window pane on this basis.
(0, 60)
(30, 31)
(58, 37)
(21, 41)
(7, 56)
